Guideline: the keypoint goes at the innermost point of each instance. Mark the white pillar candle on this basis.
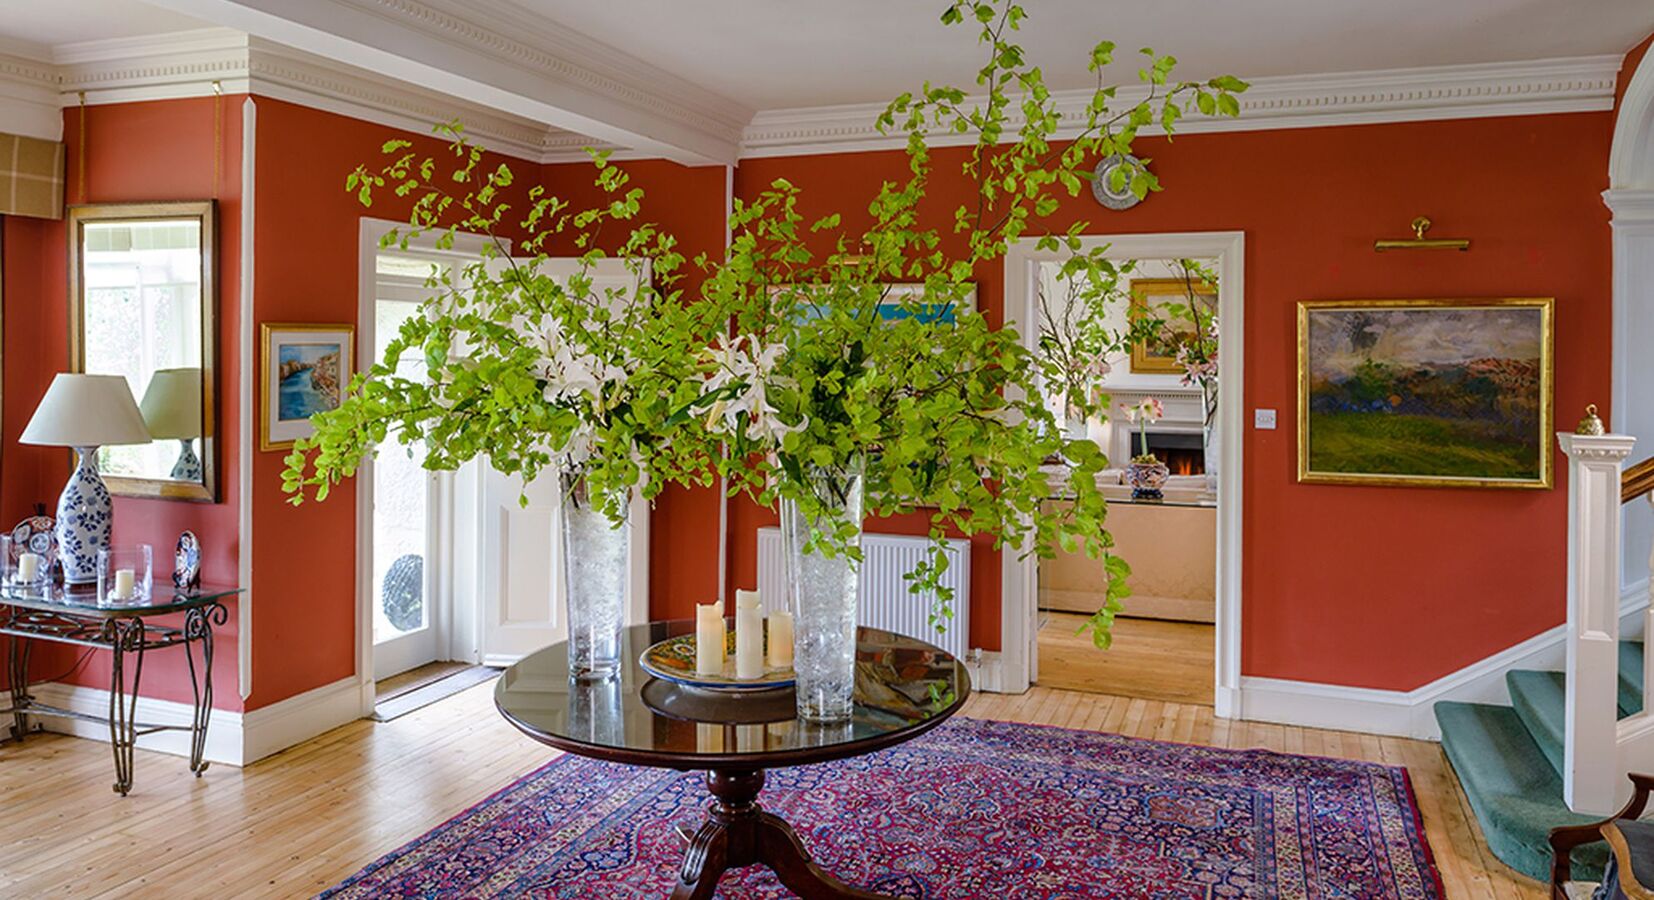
(28, 567)
(709, 639)
(781, 640)
(749, 636)
(124, 580)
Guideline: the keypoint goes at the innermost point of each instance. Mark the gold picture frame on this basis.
(280, 424)
(1144, 291)
(1481, 390)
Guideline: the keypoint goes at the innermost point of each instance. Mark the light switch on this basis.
(1263, 419)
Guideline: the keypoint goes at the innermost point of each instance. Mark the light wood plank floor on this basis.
(307, 818)
(1151, 658)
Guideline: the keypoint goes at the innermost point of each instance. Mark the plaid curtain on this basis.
(31, 177)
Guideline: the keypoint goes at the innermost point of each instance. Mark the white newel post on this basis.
(1590, 771)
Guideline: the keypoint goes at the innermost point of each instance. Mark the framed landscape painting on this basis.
(1444, 393)
(1157, 355)
(305, 371)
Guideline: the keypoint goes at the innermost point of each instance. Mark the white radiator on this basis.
(885, 600)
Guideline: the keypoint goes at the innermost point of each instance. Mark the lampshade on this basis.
(86, 411)
(172, 404)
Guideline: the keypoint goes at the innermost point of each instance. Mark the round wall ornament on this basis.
(1103, 190)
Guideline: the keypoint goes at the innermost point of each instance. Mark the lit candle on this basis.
(781, 640)
(749, 636)
(28, 567)
(123, 584)
(709, 639)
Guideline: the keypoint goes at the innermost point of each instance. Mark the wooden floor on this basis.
(305, 819)
(1151, 658)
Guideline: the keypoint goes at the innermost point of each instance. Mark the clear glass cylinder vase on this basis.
(594, 583)
(822, 593)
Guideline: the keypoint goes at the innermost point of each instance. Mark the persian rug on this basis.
(972, 810)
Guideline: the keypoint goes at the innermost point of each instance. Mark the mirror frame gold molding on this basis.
(206, 211)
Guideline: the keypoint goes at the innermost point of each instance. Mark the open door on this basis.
(519, 555)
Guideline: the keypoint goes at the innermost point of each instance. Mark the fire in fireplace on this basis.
(1184, 454)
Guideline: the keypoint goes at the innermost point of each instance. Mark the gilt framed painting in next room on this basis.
(1426, 393)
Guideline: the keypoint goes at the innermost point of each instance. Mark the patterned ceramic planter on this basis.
(1146, 479)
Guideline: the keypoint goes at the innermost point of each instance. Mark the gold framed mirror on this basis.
(142, 304)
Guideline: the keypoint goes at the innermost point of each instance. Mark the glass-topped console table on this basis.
(72, 615)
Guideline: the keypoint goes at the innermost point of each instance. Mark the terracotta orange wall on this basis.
(1374, 587)
(306, 246)
(133, 152)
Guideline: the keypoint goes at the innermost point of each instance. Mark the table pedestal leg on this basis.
(738, 833)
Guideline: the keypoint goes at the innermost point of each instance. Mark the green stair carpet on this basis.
(1509, 760)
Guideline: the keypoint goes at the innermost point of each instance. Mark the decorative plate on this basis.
(1104, 191)
(186, 562)
(35, 535)
(674, 660)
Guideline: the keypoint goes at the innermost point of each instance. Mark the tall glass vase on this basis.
(822, 593)
(594, 581)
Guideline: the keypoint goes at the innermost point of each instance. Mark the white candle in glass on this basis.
(124, 580)
(781, 640)
(749, 636)
(709, 639)
(28, 567)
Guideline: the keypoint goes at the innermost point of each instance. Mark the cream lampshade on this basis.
(85, 412)
(172, 409)
(172, 404)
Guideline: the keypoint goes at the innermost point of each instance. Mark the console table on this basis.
(904, 687)
(72, 615)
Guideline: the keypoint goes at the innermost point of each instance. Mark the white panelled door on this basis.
(519, 555)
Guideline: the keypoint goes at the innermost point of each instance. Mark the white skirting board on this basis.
(1412, 713)
(233, 738)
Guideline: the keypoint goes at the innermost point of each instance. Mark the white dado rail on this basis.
(1599, 748)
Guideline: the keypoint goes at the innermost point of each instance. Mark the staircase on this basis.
(1509, 760)
(1560, 752)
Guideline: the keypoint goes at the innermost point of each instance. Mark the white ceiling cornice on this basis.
(1300, 101)
(534, 70)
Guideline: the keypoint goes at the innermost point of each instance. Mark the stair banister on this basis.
(1592, 767)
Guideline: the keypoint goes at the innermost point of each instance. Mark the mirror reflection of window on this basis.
(142, 277)
(143, 315)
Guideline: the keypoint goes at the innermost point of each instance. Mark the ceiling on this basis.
(791, 53)
(44, 24)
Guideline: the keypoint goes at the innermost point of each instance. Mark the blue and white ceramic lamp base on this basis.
(84, 518)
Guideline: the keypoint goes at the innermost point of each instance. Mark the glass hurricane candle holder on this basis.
(20, 567)
(126, 574)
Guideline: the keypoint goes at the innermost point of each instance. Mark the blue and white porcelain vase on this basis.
(188, 466)
(84, 517)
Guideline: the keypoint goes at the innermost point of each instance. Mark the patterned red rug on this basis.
(972, 810)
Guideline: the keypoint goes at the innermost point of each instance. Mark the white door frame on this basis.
(1019, 577)
(370, 232)
(1630, 199)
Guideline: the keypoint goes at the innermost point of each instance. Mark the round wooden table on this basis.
(904, 687)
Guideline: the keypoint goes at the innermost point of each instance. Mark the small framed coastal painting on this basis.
(306, 369)
(1430, 393)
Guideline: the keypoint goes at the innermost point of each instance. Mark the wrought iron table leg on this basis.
(198, 630)
(127, 639)
(17, 679)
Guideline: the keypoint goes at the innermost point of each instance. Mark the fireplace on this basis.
(1182, 452)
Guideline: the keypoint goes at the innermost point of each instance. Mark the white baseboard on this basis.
(233, 738)
(1412, 713)
(224, 727)
(987, 671)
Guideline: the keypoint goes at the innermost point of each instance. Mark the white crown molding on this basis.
(1539, 87)
(28, 97)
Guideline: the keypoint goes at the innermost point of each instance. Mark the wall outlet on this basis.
(1263, 419)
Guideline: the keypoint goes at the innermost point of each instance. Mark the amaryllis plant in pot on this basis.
(832, 367)
(1146, 474)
